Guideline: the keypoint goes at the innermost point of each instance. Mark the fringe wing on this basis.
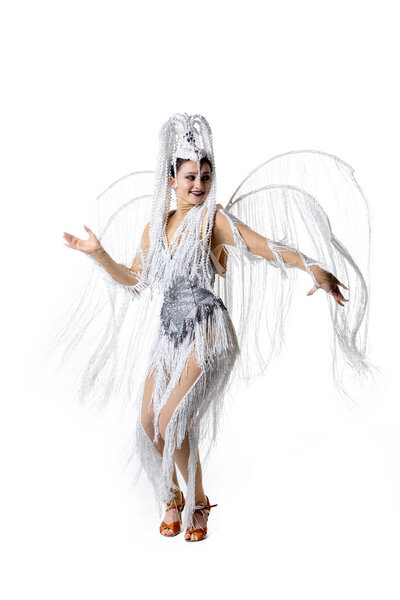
(107, 336)
(287, 199)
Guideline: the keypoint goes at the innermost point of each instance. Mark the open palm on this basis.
(76, 243)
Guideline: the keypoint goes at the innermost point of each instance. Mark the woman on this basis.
(195, 348)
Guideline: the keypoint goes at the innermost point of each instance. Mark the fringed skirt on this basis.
(194, 323)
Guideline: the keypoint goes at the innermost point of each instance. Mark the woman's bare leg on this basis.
(181, 455)
(147, 421)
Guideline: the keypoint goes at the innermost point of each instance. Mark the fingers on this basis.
(313, 290)
(80, 244)
(339, 299)
(339, 293)
(336, 282)
(331, 287)
(336, 293)
(68, 237)
(71, 239)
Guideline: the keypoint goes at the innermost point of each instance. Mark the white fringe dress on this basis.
(193, 322)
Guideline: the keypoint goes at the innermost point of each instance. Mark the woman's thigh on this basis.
(188, 378)
(147, 412)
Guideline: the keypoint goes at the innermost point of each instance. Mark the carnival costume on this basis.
(151, 304)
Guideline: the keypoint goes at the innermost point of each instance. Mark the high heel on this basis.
(205, 512)
(175, 526)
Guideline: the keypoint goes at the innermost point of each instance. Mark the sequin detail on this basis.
(185, 302)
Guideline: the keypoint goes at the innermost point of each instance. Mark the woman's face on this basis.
(192, 189)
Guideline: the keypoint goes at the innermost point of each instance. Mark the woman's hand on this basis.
(88, 245)
(329, 283)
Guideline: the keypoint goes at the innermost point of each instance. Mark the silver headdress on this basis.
(188, 146)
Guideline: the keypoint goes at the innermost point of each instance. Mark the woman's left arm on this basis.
(275, 251)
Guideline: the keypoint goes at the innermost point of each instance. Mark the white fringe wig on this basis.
(188, 137)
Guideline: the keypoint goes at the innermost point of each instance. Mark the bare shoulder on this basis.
(220, 219)
(222, 233)
(146, 230)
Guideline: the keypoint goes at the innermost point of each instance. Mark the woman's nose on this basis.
(198, 184)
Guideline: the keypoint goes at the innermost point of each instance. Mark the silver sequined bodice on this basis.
(186, 302)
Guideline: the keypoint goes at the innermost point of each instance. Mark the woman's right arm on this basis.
(129, 276)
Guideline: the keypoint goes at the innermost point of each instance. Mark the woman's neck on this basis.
(182, 210)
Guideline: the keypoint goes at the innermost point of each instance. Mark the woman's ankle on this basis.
(178, 496)
(200, 499)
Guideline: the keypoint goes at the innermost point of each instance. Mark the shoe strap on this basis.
(178, 507)
(206, 507)
(199, 531)
(172, 505)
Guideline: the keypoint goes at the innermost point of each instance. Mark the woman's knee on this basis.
(168, 413)
(148, 427)
(173, 405)
(163, 424)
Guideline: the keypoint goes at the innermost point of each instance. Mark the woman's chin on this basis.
(196, 201)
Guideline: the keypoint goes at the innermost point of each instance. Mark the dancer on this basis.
(196, 351)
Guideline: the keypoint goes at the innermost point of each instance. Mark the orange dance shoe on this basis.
(201, 532)
(175, 526)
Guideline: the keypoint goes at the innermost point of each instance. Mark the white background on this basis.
(308, 501)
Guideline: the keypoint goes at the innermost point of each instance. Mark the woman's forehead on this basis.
(190, 167)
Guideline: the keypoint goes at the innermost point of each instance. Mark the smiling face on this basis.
(192, 189)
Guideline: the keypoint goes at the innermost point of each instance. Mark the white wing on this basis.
(287, 199)
(107, 334)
